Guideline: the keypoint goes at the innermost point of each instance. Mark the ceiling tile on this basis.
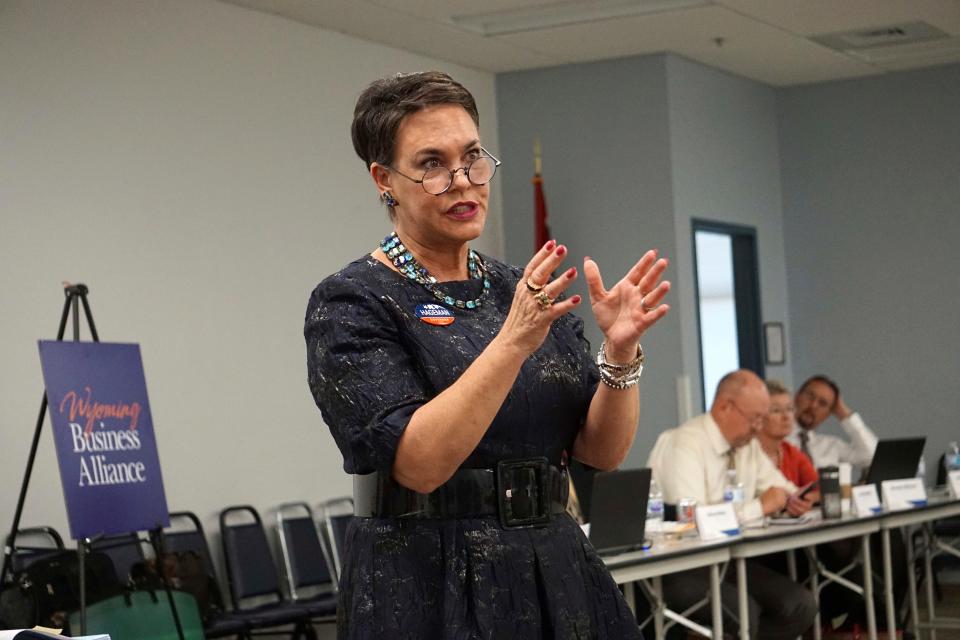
(766, 40)
(404, 31)
(814, 17)
(750, 48)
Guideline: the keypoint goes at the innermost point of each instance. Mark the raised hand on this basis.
(633, 305)
(533, 308)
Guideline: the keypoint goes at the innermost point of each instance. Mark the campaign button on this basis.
(435, 314)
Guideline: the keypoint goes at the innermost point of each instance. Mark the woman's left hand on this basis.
(633, 305)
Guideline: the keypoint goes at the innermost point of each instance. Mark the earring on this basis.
(388, 199)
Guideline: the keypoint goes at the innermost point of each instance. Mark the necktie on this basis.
(731, 459)
(804, 442)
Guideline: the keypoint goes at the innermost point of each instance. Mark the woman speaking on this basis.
(457, 387)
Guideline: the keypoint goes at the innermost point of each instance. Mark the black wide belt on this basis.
(521, 493)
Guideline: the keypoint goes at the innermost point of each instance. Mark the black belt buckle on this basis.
(523, 496)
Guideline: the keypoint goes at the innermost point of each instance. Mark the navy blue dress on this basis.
(371, 363)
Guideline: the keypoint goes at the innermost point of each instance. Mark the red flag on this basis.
(541, 230)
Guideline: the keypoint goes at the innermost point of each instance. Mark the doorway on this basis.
(727, 289)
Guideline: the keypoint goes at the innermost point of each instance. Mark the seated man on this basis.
(692, 462)
(817, 399)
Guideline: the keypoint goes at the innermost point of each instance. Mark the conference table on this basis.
(937, 508)
(670, 555)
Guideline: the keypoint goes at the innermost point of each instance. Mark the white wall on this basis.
(633, 149)
(607, 175)
(726, 168)
(871, 173)
(191, 162)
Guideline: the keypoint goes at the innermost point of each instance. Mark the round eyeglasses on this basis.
(437, 180)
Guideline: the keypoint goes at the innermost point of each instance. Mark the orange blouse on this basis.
(795, 465)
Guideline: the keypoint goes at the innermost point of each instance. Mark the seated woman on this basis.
(777, 425)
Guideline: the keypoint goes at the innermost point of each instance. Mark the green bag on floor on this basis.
(142, 615)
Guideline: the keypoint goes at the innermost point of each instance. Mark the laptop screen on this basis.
(618, 509)
(895, 460)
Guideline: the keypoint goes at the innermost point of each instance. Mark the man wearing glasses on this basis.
(817, 399)
(697, 460)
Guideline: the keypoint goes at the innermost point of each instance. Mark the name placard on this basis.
(717, 521)
(953, 483)
(865, 501)
(899, 495)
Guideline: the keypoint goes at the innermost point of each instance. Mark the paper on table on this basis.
(36, 632)
(43, 633)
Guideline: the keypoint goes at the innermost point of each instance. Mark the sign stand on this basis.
(75, 295)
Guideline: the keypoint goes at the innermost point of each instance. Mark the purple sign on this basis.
(104, 437)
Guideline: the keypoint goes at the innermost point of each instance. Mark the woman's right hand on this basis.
(529, 320)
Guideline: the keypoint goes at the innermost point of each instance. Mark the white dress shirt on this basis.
(691, 462)
(829, 451)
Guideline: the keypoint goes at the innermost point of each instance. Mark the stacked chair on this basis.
(306, 559)
(124, 550)
(252, 574)
(32, 544)
(335, 515)
(186, 535)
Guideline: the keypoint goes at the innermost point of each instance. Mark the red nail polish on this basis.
(549, 245)
(575, 299)
(561, 250)
(572, 271)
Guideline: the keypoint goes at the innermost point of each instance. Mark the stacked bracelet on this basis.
(619, 376)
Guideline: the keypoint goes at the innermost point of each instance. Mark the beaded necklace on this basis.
(409, 266)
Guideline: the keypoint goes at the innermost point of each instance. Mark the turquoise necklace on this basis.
(410, 267)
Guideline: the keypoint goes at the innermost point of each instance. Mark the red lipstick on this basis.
(464, 210)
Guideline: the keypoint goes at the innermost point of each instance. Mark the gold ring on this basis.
(536, 288)
(543, 300)
(644, 306)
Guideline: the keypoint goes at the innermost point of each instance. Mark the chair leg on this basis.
(304, 630)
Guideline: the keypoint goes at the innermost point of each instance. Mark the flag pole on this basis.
(541, 232)
(537, 157)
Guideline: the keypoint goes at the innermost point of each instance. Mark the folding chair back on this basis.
(337, 515)
(250, 568)
(186, 535)
(306, 561)
(193, 539)
(32, 544)
(125, 550)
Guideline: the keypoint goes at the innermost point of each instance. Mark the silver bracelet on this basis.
(620, 376)
(619, 383)
(636, 363)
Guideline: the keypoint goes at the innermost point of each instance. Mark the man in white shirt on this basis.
(692, 461)
(817, 399)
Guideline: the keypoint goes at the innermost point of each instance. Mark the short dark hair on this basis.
(825, 380)
(385, 103)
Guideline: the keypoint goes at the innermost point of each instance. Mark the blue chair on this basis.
(251, 573)
(125, 550)
(186, 535)
(32, 544)
(336, 515)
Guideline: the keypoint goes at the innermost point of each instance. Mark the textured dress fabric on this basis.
(373, 359)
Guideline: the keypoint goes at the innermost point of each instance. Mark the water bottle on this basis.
(732, 490)
(951, 458)
(655, 506)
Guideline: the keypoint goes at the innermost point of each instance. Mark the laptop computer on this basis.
(895, 459)
(618, 510)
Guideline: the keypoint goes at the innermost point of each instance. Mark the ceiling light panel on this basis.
(551, 16)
